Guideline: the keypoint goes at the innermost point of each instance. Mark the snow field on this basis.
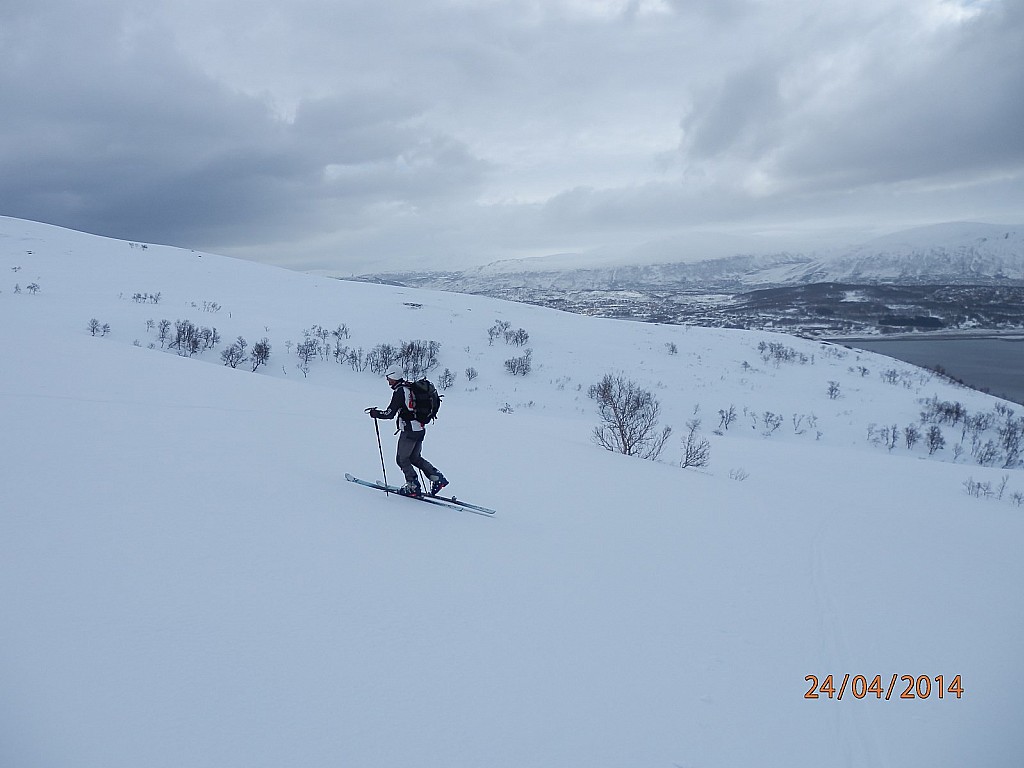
(187, 579)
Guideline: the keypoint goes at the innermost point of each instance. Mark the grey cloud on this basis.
(959, 110)
(721, 11)
(951, 101)
(416, 130)
(140, 144)
(735, 116)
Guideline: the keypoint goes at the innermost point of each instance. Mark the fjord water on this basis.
(993, 364)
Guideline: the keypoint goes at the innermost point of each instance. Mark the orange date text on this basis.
(895, 687)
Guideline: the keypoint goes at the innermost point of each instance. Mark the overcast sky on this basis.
(354, 135)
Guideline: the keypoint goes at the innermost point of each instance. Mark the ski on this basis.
(440, 501)
(461, 503)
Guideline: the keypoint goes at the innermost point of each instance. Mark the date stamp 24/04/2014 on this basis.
(899, 687)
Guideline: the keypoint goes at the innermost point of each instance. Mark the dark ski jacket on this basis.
(401, 405)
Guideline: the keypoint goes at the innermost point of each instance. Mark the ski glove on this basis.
(374, 413)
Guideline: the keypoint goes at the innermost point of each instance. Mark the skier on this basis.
(411, 432)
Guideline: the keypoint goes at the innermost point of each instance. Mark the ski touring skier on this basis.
(412, 419)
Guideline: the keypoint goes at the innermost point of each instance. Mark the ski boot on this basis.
(437, 482)
(411, 488)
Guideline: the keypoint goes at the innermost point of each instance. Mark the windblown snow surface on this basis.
(186, 579)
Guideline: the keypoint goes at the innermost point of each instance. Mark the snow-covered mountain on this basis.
(939, 254)
(187, 580)
(528, 273)
(948, 254)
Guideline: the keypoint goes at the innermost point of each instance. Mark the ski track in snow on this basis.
(859, 738)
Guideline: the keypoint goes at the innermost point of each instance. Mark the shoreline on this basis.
(965, 335)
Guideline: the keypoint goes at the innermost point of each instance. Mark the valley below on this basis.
(820, 310)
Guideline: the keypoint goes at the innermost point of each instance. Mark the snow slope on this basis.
(187, 580)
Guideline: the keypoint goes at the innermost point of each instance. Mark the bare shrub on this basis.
(446, 379)
(417, 357)
(234, 354)
(771, 422)
(779, 353)
(1011, 438)
(381, 358)
(911, 434)
(520, 366)
(629, 418)
(357, 359)
(696, 449)
(726, 417)
(517, 338)
(499, 328)
(260, 353)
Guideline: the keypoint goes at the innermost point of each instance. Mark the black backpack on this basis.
(426, 399)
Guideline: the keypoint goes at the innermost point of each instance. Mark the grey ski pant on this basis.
(409, 458)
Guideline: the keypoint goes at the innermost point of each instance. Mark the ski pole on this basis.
(380, 448)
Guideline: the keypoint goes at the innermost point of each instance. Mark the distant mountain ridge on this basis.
(954, 254)
(947, 253)
(730, 270)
